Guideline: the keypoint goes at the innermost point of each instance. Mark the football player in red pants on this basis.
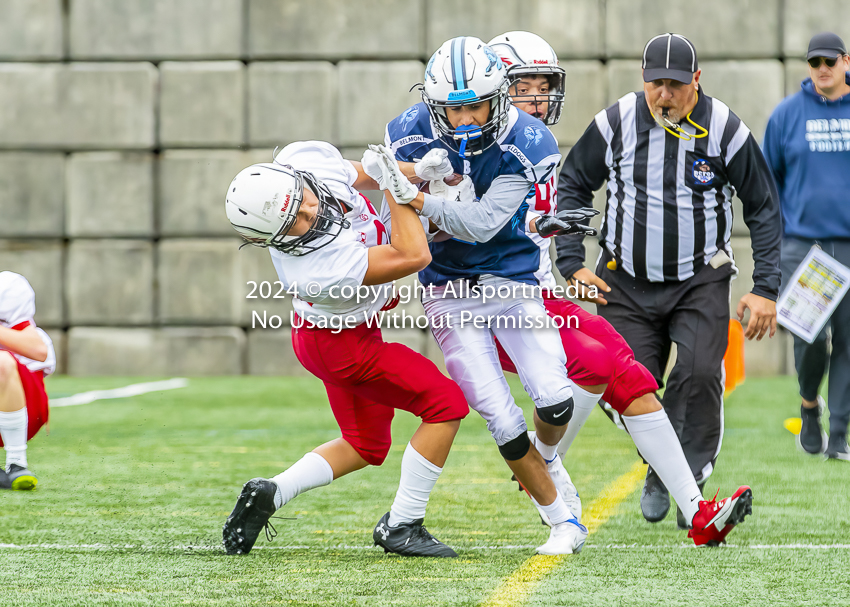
(26, 357)
(597, 354)
(327, 242)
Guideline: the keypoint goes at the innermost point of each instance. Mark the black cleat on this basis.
(21, 479)
(812, 438)
(838, 448)
(681, 523)
(654, 500)
(251, 515)
(409, 539)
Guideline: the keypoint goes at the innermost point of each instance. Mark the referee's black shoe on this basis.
(654, 500)
(409, 539)
(252, 512)
(812, 438)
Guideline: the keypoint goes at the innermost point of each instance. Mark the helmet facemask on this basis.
(470, 140)
(327, 224)
(557, 79)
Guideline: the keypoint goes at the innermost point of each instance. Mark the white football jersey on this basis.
(324, 276)
(17, 311)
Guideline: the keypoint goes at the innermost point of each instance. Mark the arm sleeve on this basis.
(584, 172)
(751, 177)
(479, 221)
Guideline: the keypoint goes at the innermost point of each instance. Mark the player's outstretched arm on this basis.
(27, 343)
(408, 251)
(565, 223)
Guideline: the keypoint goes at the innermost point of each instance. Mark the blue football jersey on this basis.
(526, 148)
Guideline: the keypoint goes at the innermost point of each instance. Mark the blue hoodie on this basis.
(807, 145)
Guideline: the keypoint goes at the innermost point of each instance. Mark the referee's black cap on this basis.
(826, 44)
(669, 56)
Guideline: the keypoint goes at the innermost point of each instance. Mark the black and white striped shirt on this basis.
(669, 201)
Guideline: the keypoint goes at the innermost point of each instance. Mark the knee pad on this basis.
(558, 414)
(516, 448)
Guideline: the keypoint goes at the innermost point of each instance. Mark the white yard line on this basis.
(111, 547)
(84, 398)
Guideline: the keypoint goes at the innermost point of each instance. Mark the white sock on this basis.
(13, 431)
(547, 451)
(418, 477)
(658, 444)
(557, 511)
(584, 402)
(307, 473)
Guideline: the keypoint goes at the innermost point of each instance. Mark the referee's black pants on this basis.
(693, 314)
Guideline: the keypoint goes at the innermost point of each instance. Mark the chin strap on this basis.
(465, 133)
(677, 131)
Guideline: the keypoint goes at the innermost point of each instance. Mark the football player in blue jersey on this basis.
(466, 124)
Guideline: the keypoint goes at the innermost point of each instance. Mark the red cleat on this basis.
(715, 519)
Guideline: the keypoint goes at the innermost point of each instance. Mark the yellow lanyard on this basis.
(677, 131)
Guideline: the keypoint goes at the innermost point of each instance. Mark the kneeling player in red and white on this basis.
(26, 357)
(596, 353)
(326, 241)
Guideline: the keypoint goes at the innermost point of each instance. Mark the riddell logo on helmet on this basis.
(541, 62)
(285, 203)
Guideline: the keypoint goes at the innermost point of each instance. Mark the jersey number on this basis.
(545, 197)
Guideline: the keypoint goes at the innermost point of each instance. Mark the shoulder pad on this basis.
(410, 131)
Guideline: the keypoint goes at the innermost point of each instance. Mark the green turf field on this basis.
(133, 493)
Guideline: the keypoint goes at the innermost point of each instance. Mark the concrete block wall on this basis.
(124, 120)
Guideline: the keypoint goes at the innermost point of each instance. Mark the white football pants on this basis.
(473, 361)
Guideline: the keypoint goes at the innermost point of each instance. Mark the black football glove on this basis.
(566, 222)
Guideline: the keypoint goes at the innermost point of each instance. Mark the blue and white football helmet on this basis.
(466, 71)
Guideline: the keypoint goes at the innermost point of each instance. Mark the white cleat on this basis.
(566, 538)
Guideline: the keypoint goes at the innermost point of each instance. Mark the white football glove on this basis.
(371, 162)
(398, 185)
(434, 165)
(462, 192)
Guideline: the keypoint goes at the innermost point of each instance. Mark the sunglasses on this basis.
(815, 61)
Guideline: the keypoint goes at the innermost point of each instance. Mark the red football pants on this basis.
(35, 398)
(596, 354)
(367, 378)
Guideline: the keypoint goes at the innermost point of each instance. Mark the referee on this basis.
(673, 157)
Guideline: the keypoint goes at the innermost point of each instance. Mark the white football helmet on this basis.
(464, 71)
(525, 54)
(263, 201)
